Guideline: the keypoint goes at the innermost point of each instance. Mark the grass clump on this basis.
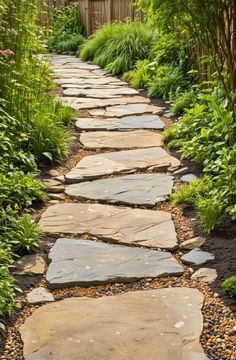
(118, 46)
(67, 30)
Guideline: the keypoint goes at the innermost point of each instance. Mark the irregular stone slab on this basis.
(89, 103)
(194, 243)
(138, 189)
(124, 123)
(76, 65)
(205, 274)
(92, 81)
(39, 295)
(86, 263)
(30, 265)
(99, 93)
(120, 140)
(111, 223)
(128, 109)
(95, 166)
(80, 73)
(161, 324)
(197, 257)
(92, 86)
(188, 178)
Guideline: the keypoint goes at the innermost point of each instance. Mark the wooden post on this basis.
(109, 15)
(88, 27)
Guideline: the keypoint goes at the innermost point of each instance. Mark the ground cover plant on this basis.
(32, 131)
(67, 31)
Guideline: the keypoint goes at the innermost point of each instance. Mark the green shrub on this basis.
(183, 102)
(116, 47)
(20, 189)
(23, 235)
(67, 30)
(140, 76)
(7, 284)
(167, 81)
(169, 50)
(229, 286)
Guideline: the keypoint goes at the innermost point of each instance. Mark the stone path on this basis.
(123, 243)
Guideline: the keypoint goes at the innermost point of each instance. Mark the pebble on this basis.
(53, 173)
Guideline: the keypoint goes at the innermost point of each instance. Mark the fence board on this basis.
(93, 13)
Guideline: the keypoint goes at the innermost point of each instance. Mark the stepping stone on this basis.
(124, 123)
(90, 103)
(120, 140)
(194, 243)
(197, 257)
(91, 86)
(188, 178)
(95, 166)
(138, 189)
(30, 265)
(77, 65)
(111, 223)
(161, 324)
(127, 109)
(39, 295)
(70, 72)
(99, 93)
(205, 274)
(86, 263)
(92, 81)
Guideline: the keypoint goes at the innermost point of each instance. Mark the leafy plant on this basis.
(140, 76)
(67, 30)
(189, 193)
(184, 101)
(229, 286)
(167, 81)
(23, 235)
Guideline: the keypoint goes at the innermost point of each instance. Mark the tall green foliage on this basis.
(118, 46)
(31, 130)
(67, 30)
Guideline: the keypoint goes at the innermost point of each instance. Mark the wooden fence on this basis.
(94, 13)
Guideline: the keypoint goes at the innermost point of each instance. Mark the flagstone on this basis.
(138, 189)
(99, 93)
(76, 65)
(92, 103)
(124, 123)
(77, 262)
(30, 265)
(39, 295)
(197, 257)
(120, 140)
(127, 109)
(111, 223)
(155, 324)
(93, 81)
(91, 86)
(128, 161)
